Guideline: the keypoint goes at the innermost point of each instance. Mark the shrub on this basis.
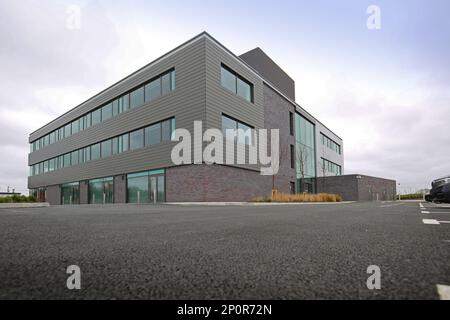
(301, 197)
(413, 196)
(17, 199)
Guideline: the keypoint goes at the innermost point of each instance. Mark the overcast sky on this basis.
(386, 92)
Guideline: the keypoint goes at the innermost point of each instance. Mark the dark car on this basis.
(440, 190)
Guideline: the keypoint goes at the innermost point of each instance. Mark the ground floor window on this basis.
(101, 191)
(146, 187)
(40, 194)
(306, 185)
(70, 193)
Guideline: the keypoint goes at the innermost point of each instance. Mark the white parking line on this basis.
(430, 221)
(427, 212)
(421, 205)
(443, 291)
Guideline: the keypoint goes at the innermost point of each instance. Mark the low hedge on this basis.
(17, 199)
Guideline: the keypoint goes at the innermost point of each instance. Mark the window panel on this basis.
(68, 130)
(153, 90)
(166, 132)
(52, 138)
(244, 90)
(51, 165)
(107, 112)
(173, 128)
(75, 126)
(87, 154)
(126, 102)
(66, 160)
(74, 158)
(115, 145)
(153, 134)
(106, 149)
(115, 107)
(137, 139)
(228, 80)
(96, 117)
(228, 124)
(244, 134)
(173, 80)
(87, 120)
(137, 98)
(165, 83)
(124, 143)
(95, 151)
(45, 166)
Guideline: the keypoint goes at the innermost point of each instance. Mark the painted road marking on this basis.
(443, 291)
(444, 221)
(427, 212)
(421, 205)
(430, 221)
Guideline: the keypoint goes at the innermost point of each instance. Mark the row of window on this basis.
(241, 131)
(151, 90)
(235, 83)
(330, 143)
(142, 187)
(151, 135)
(331, 167)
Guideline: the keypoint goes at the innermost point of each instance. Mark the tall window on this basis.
(235, 83)
(101, 191)
(70, 193)
(305, 154)
(146, 187)
(137, 139)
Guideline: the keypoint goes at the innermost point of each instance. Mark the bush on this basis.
(413, 196)
(301, 197)
(17, 199)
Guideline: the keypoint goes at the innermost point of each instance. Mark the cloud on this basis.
(43, 64)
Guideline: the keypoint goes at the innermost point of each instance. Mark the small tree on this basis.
(302, 160)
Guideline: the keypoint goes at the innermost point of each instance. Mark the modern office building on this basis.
(116, 147)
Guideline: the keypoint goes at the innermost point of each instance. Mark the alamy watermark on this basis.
(374, 280)
(74, 280)
(73, 19)
(255, 141)
(374, 19)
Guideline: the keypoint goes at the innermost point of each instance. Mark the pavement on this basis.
(226, 252)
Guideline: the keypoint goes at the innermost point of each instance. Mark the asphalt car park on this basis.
(305, 251)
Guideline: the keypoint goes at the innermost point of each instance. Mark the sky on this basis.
(385, 91)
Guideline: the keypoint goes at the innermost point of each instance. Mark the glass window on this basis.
(228, 80)
(106, 149)
(124, 143)
(45, 166)
(60, 162)
(115, 107)
(95, 151)
(96, 117)
(101, 191)
(115, 145)
(153, 134)
(87, 154)
(137, 189)
(166, 132)
(153, 90)
(244, 90)
(87, 121)
(173, 128)
(165, 83)
(52, 138)
(66, 160)
(75, 126)
(137, 98)
(244, 134)
(70, 193)
(61, 133)
(137, 139)
(126, 102)
(173, 80)
(74, 158)
(81, 120)
(228, 124)
(68, 130)
(107, 112)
